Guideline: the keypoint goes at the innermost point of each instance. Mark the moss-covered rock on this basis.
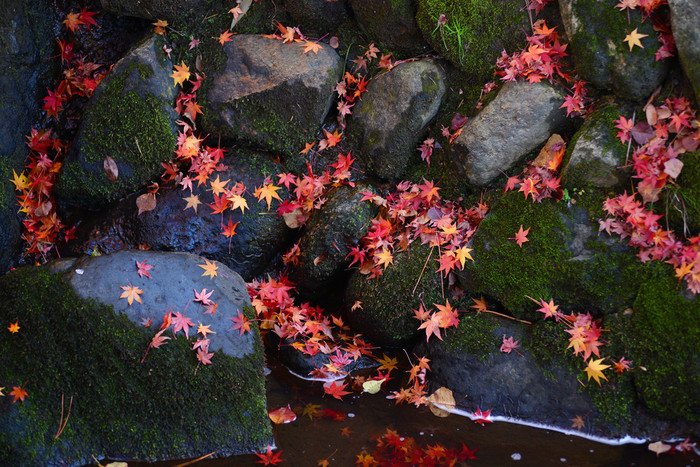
(683, 203)
(391, 24)
(565, 259)
(475, 33)
(129, 118)
(78, 357)
(663, 337)
(595, 157)
(386, 314)
(328, 236)
(174, 12)
(317, 17)
(389, 121)
(596, 30)
(270, 94)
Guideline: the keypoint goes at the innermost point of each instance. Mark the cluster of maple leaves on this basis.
(670, 130)
(42, 227)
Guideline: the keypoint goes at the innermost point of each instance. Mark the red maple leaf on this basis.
(241, 323)
(521, 236)
(269, 458)
(143, 268)
(482, 417)
(334, 389)
(181, 322)
(229, 231)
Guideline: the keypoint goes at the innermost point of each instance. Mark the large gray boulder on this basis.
(392, 116)
(271, 94)
(596, 32)
(685, 23)
(520, 118)
(129, 118)
(81, 340)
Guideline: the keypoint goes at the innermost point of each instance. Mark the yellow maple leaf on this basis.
(632, 39)
(209, 268)
(131, 293)
(388, 363)
(311, 410)
(192, 202)
(238, 202)
(267, 192)
(217, 186)
(384, 258)
(181, 73)
(160, 26)
(310, 46)
(20, 181)
(594, 369)
(462, 254)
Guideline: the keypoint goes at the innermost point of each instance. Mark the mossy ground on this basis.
(121, 407)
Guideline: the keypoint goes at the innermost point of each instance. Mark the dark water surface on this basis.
(307, 441)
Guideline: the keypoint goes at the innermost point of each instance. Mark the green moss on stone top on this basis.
(121, 407)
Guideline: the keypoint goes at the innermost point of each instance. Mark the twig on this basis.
(506, 316)
(421, 272)
(62, 423)
(197, 459)
(629, 141)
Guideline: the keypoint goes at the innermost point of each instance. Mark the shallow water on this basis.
(306, 441)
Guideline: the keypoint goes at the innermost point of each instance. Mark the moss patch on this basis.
(121, 407)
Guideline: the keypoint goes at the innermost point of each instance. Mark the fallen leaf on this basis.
(14, 327)
(209, 268)
(659, 447)
(18, 393)
(282, 415)
(373, 386)
(181, 73)
(594, 369)
(632, 39)
(111, 169)
(131, 293)
(146, 202)
(143, 268)
(444, 398)
(521, 236)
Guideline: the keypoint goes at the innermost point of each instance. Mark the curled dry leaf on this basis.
(444, 398)
(659, 447)
(333, 42)
(282, 415)
(146, 202)
(111, 169)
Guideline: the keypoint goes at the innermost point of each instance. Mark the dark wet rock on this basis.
(520, 118)
(392, 116)
(390, 23)
(684, 202)
(327, 239)
(596, 156)
(685, 21)
(260, 235)
(129, 118)
(603, 58)
(271, 94)
(475, 33)
(28, 38)
(385, 316)
(317, 15)
(91, 345)
(565, 259)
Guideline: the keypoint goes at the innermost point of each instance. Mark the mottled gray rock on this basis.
(129, 118)
(327, 238)
(391, 24)
(685, 23)
(520, 118)
(596, 156)
(392, 116)
(596, 31)
(174, 278)
(28, 36)
(271, 94)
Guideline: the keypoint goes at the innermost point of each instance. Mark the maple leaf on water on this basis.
(181, 73)
(269, 458)
(282, 415)
(482, 417)
(131, 293)
(209, 268)
(18, 393)
(632, 39)
(521, 236)
(241, 323)
(143, 268)
(594, 369)
(311, 410)
(334, 389)
(388, 363)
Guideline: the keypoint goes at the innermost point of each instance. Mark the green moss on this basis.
(475, 33)
(121, 407)
(663, 337)
(474, 335)
(135, 129)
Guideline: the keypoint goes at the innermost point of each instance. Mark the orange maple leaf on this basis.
(160, 26)
(14, 327)
(181, 73)
(310, 46)
(267, 192)
(481, 304)
(72, 21)
(209, 268)
(18, 393)
(225, 37)
(131, 293)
